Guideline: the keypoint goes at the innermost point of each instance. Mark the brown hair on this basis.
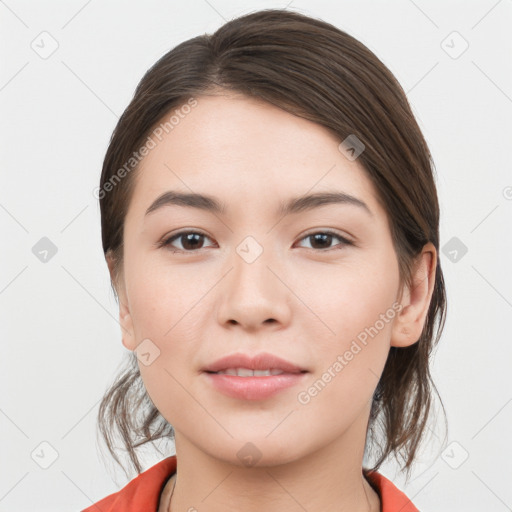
(311, 69)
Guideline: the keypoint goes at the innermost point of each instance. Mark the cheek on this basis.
(352, 296)
(166, 308)
(162, 298)
(348, 364)
(354, 315)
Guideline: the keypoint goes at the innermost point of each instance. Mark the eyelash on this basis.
(166, 242)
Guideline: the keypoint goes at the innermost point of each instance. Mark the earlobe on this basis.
(409, 323)
(125, 319)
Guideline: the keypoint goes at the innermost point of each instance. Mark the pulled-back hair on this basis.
(314, 70)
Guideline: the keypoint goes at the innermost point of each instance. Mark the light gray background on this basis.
(61, 342)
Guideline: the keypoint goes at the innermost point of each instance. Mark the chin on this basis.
(256, 451)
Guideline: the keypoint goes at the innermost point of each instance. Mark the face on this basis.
(316, 286)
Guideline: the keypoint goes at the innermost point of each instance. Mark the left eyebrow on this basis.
(292, 206)
(191, 200)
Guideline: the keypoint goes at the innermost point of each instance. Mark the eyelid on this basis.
(345, 240)
(329, 231)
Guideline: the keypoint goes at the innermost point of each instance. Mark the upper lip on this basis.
(261, 361)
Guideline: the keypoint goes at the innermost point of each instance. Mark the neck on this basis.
(327, 479)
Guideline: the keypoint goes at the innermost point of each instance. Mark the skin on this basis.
(303, 302)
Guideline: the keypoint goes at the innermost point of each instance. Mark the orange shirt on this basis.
(142, 494)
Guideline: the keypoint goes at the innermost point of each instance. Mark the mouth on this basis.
(253, 378)
(248, 372)
(244, 365)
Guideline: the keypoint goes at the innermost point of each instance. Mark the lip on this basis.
(261, 361)
(253, 388)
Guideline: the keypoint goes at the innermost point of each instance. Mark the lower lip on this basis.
(253, 388)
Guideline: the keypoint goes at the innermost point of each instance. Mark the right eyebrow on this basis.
(309, 202)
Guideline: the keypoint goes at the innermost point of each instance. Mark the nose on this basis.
(254, 293)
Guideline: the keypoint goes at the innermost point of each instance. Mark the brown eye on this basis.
(322, 240)
(189, 240)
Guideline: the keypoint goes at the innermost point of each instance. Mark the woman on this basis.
(271, 226)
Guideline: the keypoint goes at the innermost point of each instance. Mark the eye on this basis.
(190, 241)
(193, 240)
(325, 238)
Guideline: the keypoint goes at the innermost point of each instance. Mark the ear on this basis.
(125, 319)
(409, 323)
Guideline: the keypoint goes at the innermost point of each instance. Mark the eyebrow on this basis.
(292, 206)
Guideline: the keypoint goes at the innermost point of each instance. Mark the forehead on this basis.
(241, 149)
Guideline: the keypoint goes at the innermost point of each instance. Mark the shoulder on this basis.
(391, 497)
(140, 494)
